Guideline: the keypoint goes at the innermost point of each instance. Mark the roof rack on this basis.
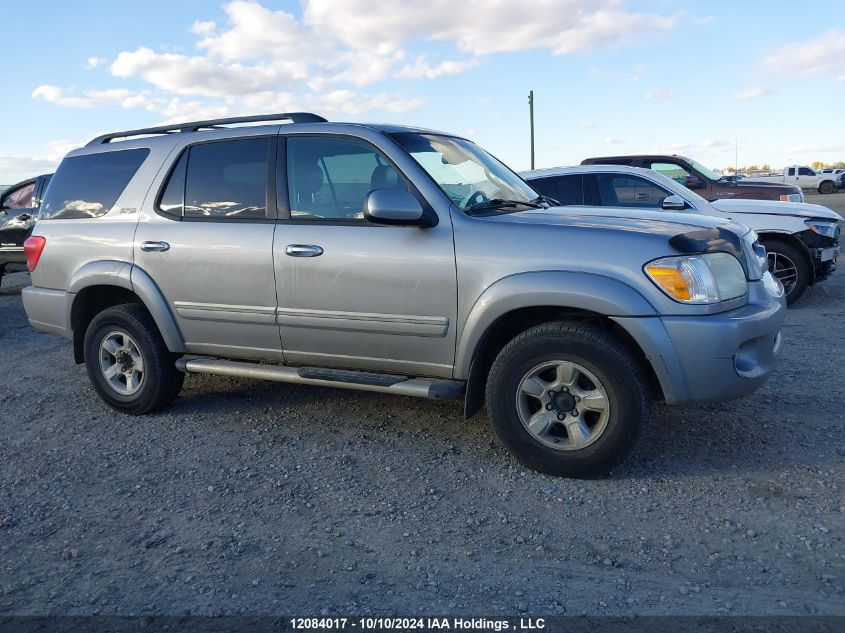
(193, 126)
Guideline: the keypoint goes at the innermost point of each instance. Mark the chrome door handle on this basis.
(155, 247)
(303, 250)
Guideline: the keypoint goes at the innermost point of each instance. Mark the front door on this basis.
(207, 242)
(352, 294)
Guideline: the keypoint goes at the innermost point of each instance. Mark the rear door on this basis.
(206, 239)
(352, 294)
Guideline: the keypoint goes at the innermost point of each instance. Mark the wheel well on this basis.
(509, 325)
(89, 302)
(791, 240)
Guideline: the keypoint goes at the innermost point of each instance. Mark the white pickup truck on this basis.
(803, 176)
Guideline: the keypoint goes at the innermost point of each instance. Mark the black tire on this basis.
(160, 382)
(827, 186)
(795, 282)
(601, 353)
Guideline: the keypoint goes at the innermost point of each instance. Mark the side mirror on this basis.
(673, 203)
(395, 207)
(693, 182)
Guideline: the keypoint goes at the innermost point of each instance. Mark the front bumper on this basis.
(715, 357)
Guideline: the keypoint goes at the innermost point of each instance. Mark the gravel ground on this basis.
(260, 498)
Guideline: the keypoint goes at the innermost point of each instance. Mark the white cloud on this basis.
(257, 57)
(589, 125)
(823, 55)
(481, 27)
(841, 79)
(90, 98)
(202, 76)
(661, 94)
(421, 69)
(751, 93)
(611, 141)
(94, 62)
(204, 28)
(702, 20)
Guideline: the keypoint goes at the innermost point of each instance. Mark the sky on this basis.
(719, 81)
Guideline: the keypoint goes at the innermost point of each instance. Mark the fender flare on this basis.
(130, 277)
(575, 290)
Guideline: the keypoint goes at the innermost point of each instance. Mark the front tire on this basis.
(128, 363)
(568, 399)
(790, 266)
(827, 187)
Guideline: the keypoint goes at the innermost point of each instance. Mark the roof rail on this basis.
(193, 126)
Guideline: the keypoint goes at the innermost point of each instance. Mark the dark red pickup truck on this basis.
(707, 184)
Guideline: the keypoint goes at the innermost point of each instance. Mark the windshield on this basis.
(707, 173)
(465, 172)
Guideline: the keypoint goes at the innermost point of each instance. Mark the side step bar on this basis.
(434, 388)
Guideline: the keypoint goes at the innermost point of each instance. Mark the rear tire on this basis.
(789, 265)
(128, 363)
(529, 399)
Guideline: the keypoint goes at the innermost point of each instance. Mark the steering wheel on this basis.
(471, 199)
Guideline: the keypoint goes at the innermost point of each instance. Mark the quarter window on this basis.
(87, 186)
(329, 178)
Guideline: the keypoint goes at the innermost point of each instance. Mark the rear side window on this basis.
(565, 189)
(88, 186)
(220, 180)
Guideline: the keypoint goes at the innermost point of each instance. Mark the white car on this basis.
(802, 240)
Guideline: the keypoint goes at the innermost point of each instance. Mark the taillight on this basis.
(32, 248)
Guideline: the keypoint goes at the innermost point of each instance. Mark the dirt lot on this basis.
(251, 497)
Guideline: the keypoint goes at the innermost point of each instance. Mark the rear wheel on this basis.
(128, 363)
(790, 266)
(568, 399)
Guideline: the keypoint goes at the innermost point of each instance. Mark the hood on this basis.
(631, 220)
(773, 207)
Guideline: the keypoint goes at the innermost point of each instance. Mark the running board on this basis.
(434, 388)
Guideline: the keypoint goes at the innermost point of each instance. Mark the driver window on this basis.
(622, 190)
(329, 178)
(672, 170)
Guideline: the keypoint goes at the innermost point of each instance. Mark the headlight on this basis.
(823, 227)
(792, 197)
(707, 278)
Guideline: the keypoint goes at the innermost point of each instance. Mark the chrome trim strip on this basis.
(258, 315)
(404, 324)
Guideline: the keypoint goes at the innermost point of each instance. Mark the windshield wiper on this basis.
(501, 203)
(546, 199)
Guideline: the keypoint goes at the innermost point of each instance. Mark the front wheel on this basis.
(827, 187)
(128, 363)
(568, 399)
(789, 265)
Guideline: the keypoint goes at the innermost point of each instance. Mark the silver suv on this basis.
(397, 260)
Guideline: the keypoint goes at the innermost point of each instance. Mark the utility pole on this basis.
(531, 116)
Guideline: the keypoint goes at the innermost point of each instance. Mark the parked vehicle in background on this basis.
(18, 212)
(837, 173)
(706, 183)
(802, 240)
(802, 176)
(392, 259)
